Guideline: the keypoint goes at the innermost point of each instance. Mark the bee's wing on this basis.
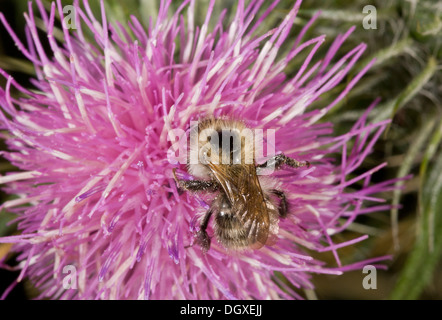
(228, 182)
(255, 215)
(241, 186)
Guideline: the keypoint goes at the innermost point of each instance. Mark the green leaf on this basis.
(14, 64)
(423, 259)
(340, 15)
(367, 82)
(5, 228)
(390, 108)
(385, 54)
(412, 153)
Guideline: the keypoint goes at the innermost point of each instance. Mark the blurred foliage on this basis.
(406, 76)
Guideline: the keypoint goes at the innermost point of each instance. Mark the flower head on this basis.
(93, 139)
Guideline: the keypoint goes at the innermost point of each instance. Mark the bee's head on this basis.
(220, 142)
(226, 146)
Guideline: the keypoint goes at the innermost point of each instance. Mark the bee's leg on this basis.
(203, 238)
(195, 185)
(280, 159)
(283, 204)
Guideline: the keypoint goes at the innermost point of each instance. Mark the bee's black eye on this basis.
(220, 139)
(226, 135)
(228, 142)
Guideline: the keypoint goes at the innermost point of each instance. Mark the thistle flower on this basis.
(92, 143)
